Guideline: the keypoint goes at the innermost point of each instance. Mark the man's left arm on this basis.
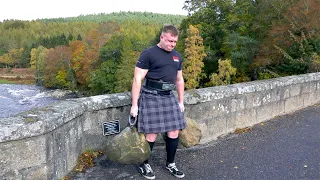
(180, 89)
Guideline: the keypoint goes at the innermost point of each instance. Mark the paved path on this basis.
(284, 148)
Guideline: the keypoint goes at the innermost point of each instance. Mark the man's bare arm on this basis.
(139, 75)
(180, 87)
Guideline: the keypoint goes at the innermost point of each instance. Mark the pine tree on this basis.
(226, 71)
(194, 54)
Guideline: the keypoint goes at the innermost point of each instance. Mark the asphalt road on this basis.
(284, 148)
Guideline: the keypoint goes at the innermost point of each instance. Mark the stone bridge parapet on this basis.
(45, 143)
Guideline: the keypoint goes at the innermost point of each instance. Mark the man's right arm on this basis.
(139, 75)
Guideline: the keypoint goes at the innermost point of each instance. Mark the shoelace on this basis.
(148, 168)
(173, 166)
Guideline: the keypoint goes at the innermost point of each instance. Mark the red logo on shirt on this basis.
(176, 58)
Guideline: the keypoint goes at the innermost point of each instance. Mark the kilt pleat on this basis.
(159, 113)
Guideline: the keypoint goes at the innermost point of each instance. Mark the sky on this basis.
(40, 9)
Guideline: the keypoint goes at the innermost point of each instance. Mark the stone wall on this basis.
(45, 143)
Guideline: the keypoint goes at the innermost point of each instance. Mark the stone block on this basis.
(278, 108)
(275, 95)
(266, 98)
(253, 100)
(295, 90)
(221, 107)
(217, 126)
(264, 112)
(245, 118)
(310, 99)
(18, 155)
(237, 104)
(309, 88)
(293, 104)
(202, 111)
(285, 92)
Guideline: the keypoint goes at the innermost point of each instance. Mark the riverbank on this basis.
(17, 76)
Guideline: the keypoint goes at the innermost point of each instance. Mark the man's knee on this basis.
(151, 137)
(173, 134)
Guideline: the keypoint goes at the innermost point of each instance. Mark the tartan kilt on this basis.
(159, 113)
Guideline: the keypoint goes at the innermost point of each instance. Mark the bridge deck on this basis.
(286, 147)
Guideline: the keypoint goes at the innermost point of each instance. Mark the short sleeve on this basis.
(144, 61)
(180, 63)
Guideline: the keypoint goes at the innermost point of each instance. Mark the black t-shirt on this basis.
(162, 65)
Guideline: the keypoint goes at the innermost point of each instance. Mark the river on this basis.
(16, 98)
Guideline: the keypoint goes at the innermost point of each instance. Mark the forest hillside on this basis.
(222, 42)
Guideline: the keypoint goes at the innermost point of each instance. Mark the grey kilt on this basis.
(159, 113)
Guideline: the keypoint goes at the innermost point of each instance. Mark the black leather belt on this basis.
(159, 85)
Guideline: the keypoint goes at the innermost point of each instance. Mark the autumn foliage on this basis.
(194, 53)
(221, 42)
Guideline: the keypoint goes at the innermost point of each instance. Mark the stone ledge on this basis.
(43, 120)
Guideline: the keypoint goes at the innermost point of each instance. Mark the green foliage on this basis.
(124, 74)
(264, 75)
(102, 79)
(61, 79)
(261, 39)
(120, 17)
(4, 81)
(194, 54)
(123, 49)
(315, 63)
(111, 51)
(226, 71)
(299, 55)
(241, 50)
(51, 42)
(125, 69)
(17, 24)
(39, 56)
(226, 27)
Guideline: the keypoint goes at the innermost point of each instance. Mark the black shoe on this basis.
(174, 170)
(146, 171)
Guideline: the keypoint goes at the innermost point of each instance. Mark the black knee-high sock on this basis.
(151, 147)
(171, 147)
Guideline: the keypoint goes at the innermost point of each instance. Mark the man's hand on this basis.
(134, 111)
(181, 105)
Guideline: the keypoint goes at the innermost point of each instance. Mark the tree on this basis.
(78, 49)
(102, 79)
(293, 38)
(226, 71)
(124, 74)
(194, 54)
(57, 63)
(218, 20)
(241, 50)
(38, 62)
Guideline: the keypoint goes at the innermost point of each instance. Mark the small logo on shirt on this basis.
(176, 58)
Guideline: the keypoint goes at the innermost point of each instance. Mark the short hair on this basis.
(170, 29)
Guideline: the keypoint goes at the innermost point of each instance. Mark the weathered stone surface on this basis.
(191, 135)
(45, 142)
(128, 147)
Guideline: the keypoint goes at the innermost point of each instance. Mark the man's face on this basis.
(168, 41)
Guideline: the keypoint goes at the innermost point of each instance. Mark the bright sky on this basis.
(39, 9)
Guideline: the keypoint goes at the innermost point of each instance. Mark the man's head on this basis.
(168, 37)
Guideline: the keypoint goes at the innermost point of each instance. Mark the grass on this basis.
(4, 81)
(17, 80)
(16, 76)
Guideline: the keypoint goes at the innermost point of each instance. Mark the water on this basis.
(19, 98)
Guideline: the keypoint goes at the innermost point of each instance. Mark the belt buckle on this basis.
(167, 87)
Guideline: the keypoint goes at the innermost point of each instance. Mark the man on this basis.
(159, 111)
